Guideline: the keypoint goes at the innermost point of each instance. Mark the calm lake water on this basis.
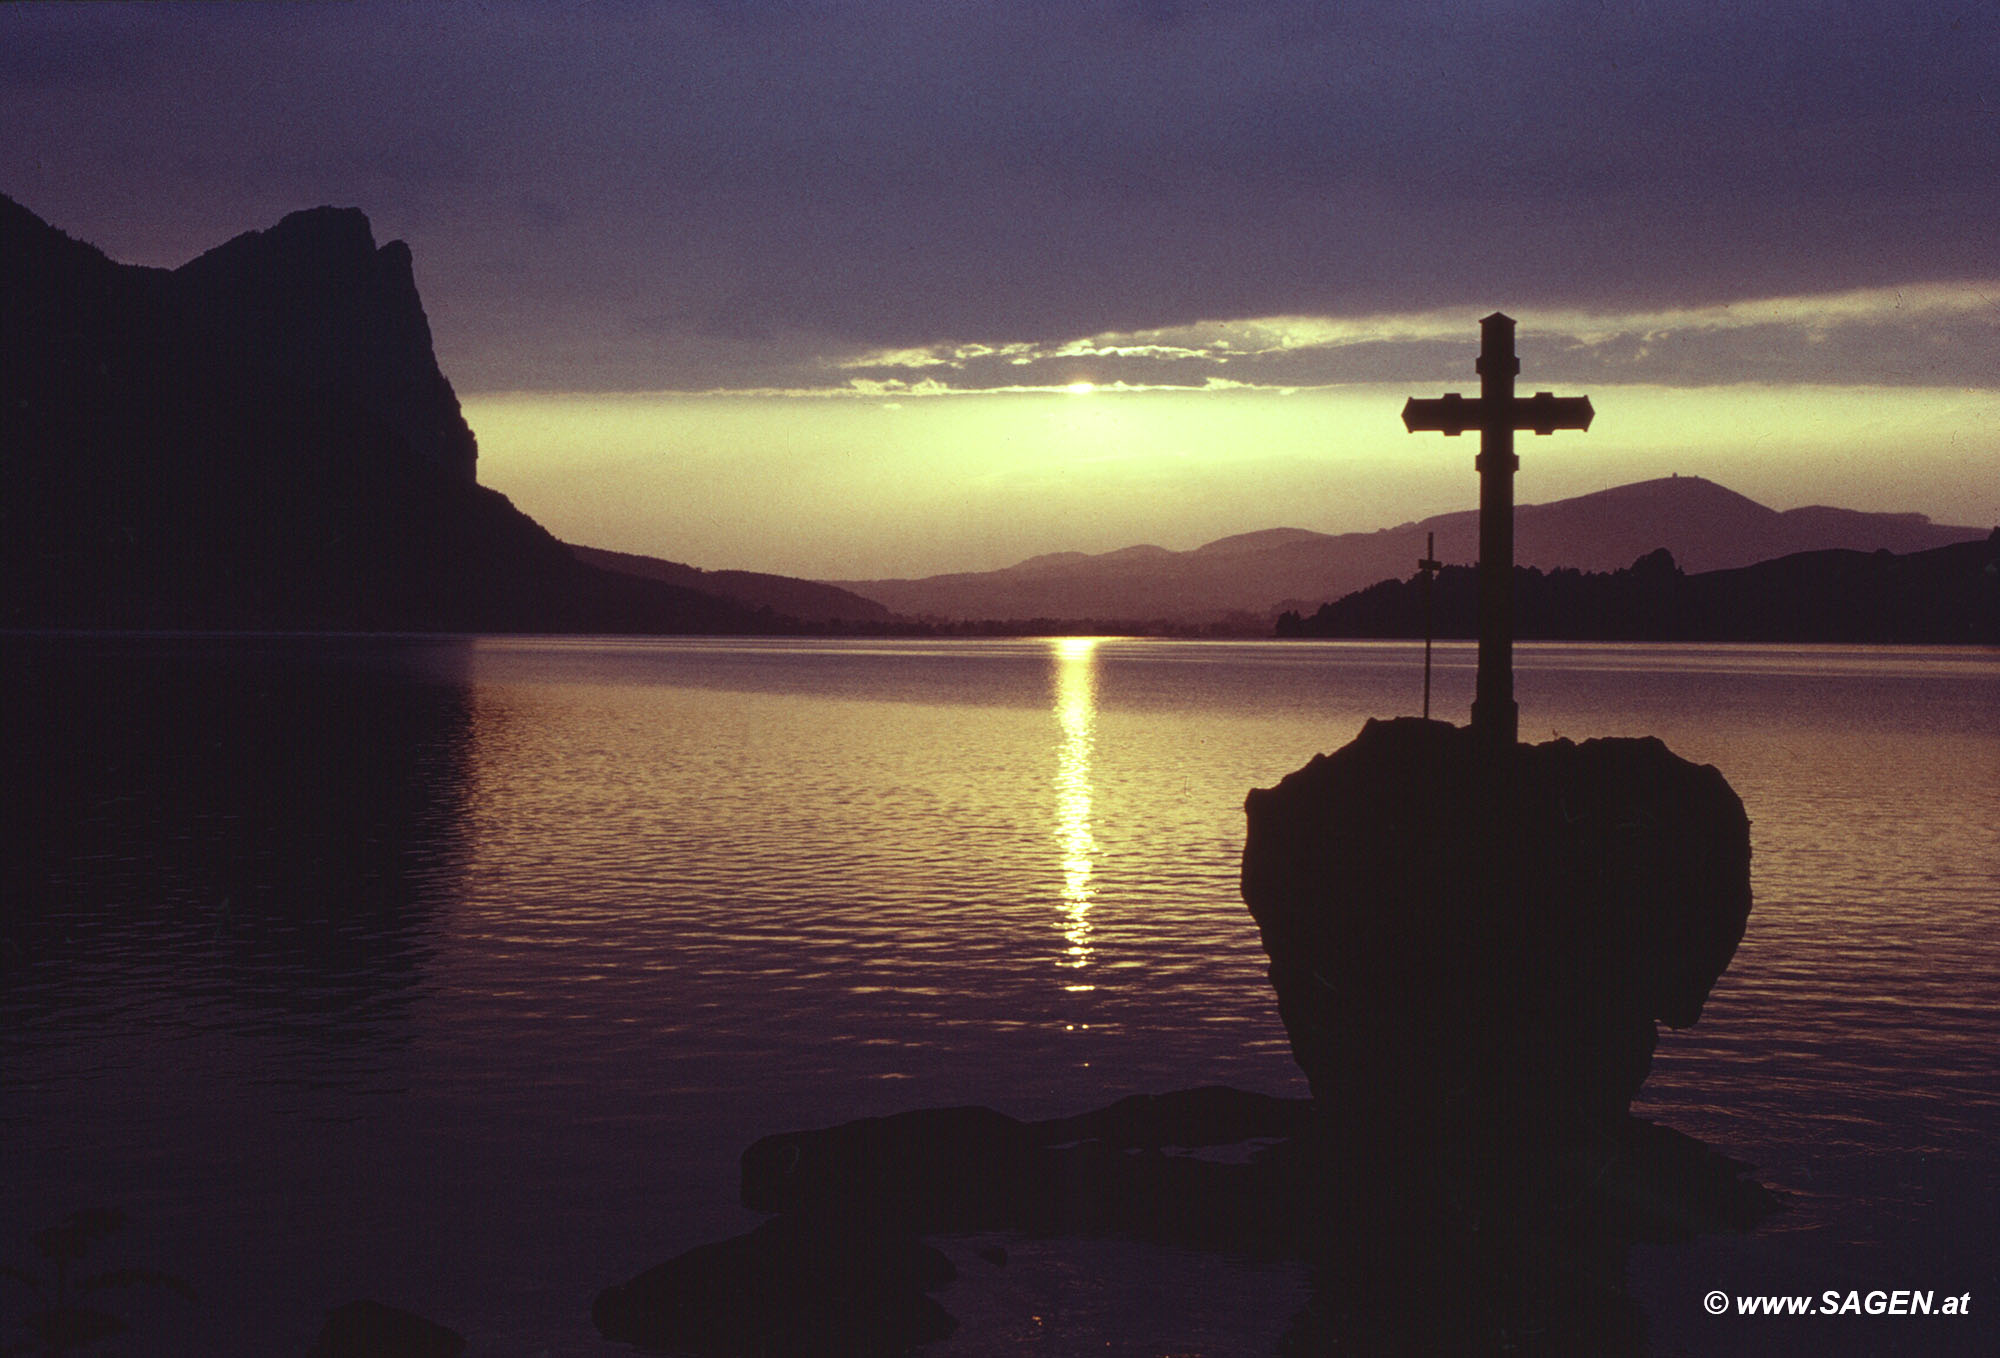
(457, 973)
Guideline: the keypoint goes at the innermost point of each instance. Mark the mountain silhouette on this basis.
(262, 438)
(313, 301)
(1948, 595)
(1705, 526)
(806, 601)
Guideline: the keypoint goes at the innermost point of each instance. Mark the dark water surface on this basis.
(457, 973)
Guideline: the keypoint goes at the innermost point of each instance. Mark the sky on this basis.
(876, 288)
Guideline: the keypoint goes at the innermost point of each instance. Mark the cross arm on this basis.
(1453, 414)
(1545, 412)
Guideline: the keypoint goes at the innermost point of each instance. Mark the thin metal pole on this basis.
(1429, 564)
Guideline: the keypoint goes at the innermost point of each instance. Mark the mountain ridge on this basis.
(1262, 573)
(807, 601)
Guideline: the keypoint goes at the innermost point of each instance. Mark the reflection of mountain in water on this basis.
(276, 820)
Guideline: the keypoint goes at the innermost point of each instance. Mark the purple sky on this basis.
(673, 196)
(876, 195)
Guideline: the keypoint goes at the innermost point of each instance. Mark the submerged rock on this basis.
(794, 1286)
(933, 1169)
(372, 1329)
(1106, 1171)
(1213, 1115)
(840, 1270)
(1473, 954)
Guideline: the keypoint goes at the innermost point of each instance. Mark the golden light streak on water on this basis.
(1076, 714)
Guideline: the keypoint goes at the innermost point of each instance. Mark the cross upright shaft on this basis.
(1494, 712)
(1496, 415)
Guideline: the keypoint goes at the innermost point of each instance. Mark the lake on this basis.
(457, 972)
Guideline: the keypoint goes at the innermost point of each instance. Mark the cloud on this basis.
(1937, 335)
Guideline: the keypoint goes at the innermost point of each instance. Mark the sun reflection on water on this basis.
(1076, 715)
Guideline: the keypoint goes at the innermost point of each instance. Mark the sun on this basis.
(1081, 388)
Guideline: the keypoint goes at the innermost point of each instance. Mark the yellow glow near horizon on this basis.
(871, 488)
(1081, 388)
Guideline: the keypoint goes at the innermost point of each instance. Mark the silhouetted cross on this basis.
(1496, 415)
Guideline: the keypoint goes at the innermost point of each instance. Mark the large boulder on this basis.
(1472, 950)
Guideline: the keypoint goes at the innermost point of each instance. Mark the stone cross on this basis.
(1496, 414)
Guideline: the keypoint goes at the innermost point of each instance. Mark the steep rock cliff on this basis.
(315, 302)
(262, 438)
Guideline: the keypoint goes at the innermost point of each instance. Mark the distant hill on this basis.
(805, 600)
(1705, 526)
(262, 438)
(1947, 594)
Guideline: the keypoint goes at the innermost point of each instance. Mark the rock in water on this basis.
(1105, 1171)
(371, 1329)
(811, 1287)
(932, 1169)
(1471, 953)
